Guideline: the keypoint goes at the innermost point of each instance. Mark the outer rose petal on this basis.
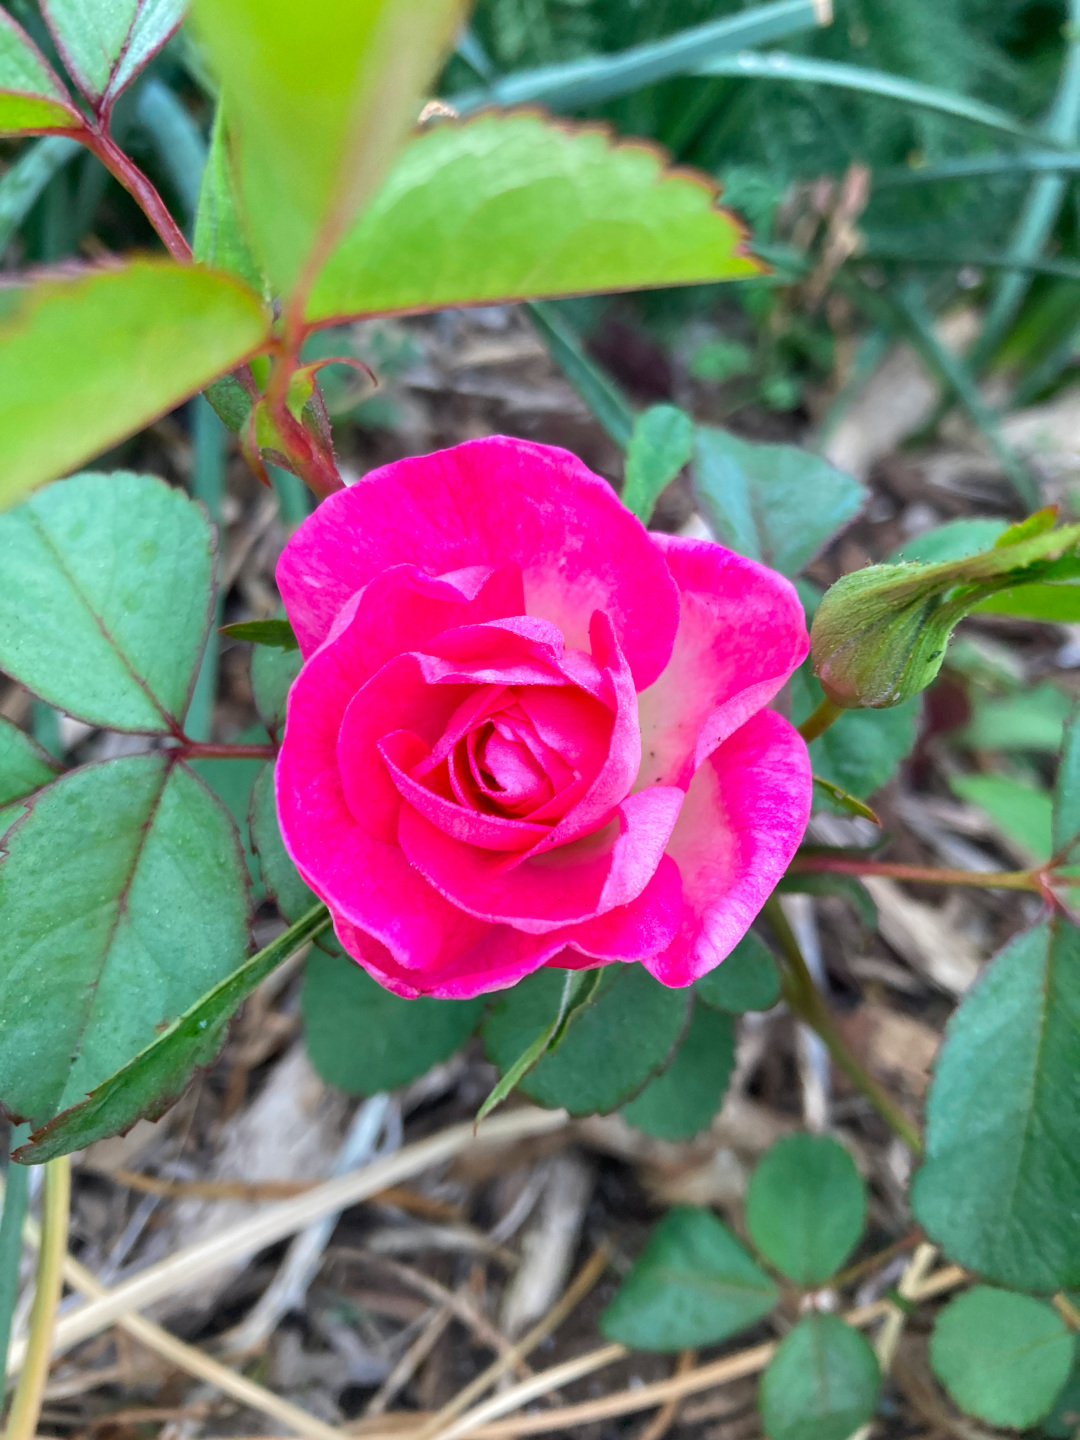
(744, 815)
(490, 502)
(741, 634)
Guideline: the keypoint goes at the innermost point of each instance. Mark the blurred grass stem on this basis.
(26, 1405)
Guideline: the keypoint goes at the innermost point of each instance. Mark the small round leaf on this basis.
(1003, 1357)
(821, 1384)
(806, 1207)
(685, 1097)
(747, 980)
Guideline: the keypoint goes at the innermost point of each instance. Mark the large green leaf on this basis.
(775, 503)
(318, 103)
(693, 1284)
(821, 1384)
(24, 768)
(746, 980)
(682, 1100)
(512, 207)
(124, 899)
(1032, 719)
(660, 445)
(1002, 1357)
(363, 1039)
(609, 1051)
(806, 1207)
(1002, 1171)
(156, 1078)
(220, 240)
(88, 359)
(1021, 811)
(106, 43)
(32, 97)
(106, 599)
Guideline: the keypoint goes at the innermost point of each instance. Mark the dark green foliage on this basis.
(747, 980)
(685, 1097)
(821, 1384)
(806, 1207)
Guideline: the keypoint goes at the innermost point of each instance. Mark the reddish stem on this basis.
(206, 750)
(122, 168)
(925, 874)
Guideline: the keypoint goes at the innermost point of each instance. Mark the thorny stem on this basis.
(805, 1001)
(124, 169)
(26, 1405)
(925, 874)
(817, 723)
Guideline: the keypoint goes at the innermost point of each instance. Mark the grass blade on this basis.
(607, 403)
(603, 77)
(777, 65)
(28, 177)
(977, 167)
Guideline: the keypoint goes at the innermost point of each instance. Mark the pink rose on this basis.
(527, 732)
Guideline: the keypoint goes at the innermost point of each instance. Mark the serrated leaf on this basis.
(747, 980)
(606, 1055)
(1002, 1357)
(220, 240)
(1020, 812)
(661, 443)
(318, 106)
(363, 1039)
(87, 360)
(124, 899)
(272, 674)
(156, 1078)
(775, 503)
(32, 97)
(693, 1284)
(1065, 827)
(278, 634)
(821, 1384)
(806, 1207)
(280, 875)
(1003, 1118)
(105, 44)
(862, 750)
(107, 598)
(511, 207)
(683, 1099)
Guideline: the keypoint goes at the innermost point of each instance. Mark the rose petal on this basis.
(745, 813)
(566, 886)
(741, 634)
(490, 502)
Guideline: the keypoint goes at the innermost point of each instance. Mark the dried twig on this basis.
(411, 1361)
(668, 1413)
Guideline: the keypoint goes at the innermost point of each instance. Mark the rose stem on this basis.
(30, 1391)
(926, 874)
(804, 1000)
(817, 723)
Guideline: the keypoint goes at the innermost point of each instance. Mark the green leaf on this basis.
(683, 1099)
(1020, 811)
(86, 360)
(1066, 812)
(272, 675)
(107, 598)
(278, 634)
(24, 765)
(32, 97)
(124, 898)
(156, 1078)
(1031, 720)
(513, 207)
(1059, 604)
(601, 77)
(613, 1047)
(747, 980)
(661, 444)
(776, 503)
(1002, 1357)
(1064, 1418)
(363, 1039)
(954, 541)
(609, 406)
(806, 1207)
(822, 1383)
(220, 240)
(280, 875)
(318, 104)
(1003, 1118)
(693, 1284)
(232, 781)
(862, 750)
(106, 43)
(843, 801)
